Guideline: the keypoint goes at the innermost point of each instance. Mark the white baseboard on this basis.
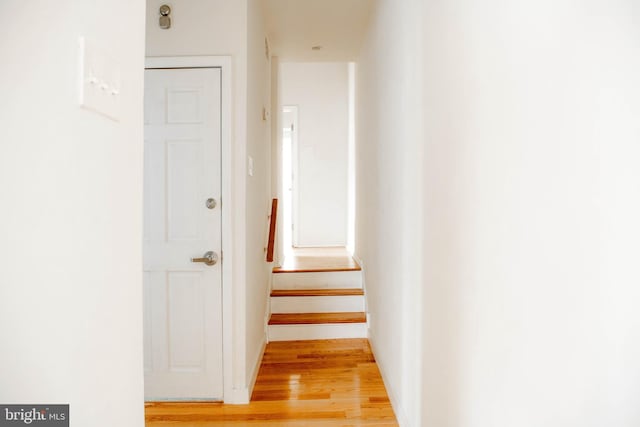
(363, 285)
(358, 260)
(238, 396)
(256, 368)
(242, 396)
(398, 409)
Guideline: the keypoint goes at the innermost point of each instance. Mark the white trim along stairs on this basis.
(317, 305)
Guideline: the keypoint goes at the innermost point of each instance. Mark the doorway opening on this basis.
(317, 174)
(289, 130)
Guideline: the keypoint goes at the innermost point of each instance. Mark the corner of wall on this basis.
(256, 366)
(398, 409)
(396, 403)
(242, 395)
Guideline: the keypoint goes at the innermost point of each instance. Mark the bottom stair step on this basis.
(316, 318)
(322, 331)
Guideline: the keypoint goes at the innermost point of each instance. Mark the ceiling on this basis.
(295, 26)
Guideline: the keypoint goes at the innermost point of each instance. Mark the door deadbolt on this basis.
(165, 19)
(211, 203)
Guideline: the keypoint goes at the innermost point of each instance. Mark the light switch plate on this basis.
(250, 168)
(99, 85)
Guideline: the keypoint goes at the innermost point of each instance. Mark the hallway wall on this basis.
(497, 184)
(320, 90)
(531, 231)
(219, 27)
(388, 196)
(71, 214)
(258, 186)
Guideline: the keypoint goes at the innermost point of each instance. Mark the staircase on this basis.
(309, 303)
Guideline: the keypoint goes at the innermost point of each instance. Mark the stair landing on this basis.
(310, 260)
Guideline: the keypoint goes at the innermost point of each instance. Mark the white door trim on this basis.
(295, 177)
(287, 191)
(226, 201)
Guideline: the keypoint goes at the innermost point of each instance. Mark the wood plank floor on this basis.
(309, 260)
(301, 383)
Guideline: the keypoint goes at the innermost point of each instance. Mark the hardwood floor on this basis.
(300, 383)
(317, 259)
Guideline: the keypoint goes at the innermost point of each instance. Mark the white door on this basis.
(183, 298)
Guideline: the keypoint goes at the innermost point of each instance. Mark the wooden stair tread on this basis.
(316, 318)
(281, 270)
(316, 292)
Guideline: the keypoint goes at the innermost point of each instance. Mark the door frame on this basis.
(290, 200)
(226, 199)
(295, 176)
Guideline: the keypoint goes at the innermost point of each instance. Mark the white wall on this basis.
(531, 211)
(388, 196)
(276, 156)
(70, 216)
(527, 210)
(258, 185)
(321, 93)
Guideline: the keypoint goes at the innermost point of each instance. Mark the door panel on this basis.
(184, 170)
(186, 313)
(183, 299)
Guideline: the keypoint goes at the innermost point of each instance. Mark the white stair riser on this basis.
(317, 304)
(317, 332)
(318, 280)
